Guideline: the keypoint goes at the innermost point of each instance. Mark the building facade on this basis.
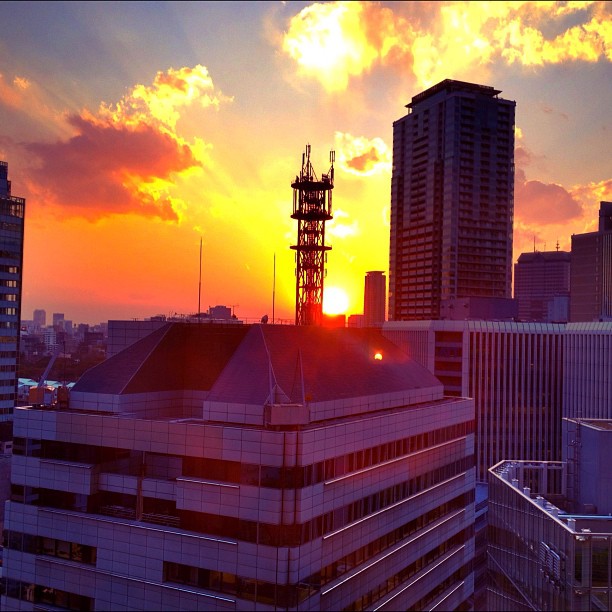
(210, 467)
(374, 299)
(542, 286)
(12, 211)
(452, 199)
(587, 370)
(550, 526)
(39, 318)
(591, 275)
(514, 372)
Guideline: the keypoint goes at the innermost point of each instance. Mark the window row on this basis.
(293, 477)
(38, 545)
(371, 597)
(233, 527)
(38, 594)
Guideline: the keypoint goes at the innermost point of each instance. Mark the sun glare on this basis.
(335, 301)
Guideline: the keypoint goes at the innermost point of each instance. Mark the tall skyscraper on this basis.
(12, 210)
(542, 286)
(374, 298)
(591, 275)
(452, 199)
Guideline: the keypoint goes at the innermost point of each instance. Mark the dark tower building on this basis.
(312, 207)
(542, 286)
(12, 210)
(374, 299)
(591, 276)
(452, 199)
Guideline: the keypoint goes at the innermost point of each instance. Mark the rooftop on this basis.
(450, 86)
(241, 364)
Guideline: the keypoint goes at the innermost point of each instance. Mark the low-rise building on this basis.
(550, 526)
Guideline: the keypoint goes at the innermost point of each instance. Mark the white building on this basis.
(550, 526)
(587, 372)
(245, 467)
(514, 372)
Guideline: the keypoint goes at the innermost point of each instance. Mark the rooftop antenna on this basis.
(273, 288)
(312, 207)
(200, 284)
(557, 245)
(534, 249)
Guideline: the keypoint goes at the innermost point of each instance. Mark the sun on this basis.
(335, 301)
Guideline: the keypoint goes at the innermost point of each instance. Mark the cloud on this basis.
(341, 230)
(109, 169)
(12, 94)
(23, 96)
(162, 101)
(362, 156)
(124, 158)
(544, 203)
(529, 228)
(337, 41)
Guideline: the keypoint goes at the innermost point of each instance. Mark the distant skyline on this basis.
(134, 129)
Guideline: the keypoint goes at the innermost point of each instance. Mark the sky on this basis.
(137, 130)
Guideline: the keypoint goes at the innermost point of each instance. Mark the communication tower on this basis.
(312, 207)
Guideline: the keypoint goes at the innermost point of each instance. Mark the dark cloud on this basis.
(99, 171)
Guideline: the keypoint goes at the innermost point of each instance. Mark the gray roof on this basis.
(241, 364)
(317, 364)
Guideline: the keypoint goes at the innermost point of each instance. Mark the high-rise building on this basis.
(591, 274)
(234, 467)
(12, 211)
(374, 299)
(452, 199)
(542, 286)
(39, 318)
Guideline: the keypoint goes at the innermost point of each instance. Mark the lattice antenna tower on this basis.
(312, 207)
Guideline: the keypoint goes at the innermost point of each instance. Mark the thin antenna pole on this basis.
(200, 284)
(274, 288)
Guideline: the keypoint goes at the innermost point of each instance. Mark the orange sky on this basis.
(135, 132)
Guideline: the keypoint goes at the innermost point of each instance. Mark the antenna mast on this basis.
(200, 283)
(312, 206)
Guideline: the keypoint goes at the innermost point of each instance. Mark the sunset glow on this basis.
(335, 301)
(129, 151)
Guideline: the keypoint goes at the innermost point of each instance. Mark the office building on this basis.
(587, 370)
(58, 321)
(233, 467)
(550, 526)
(514, 372)
(452, 199)
(591, 274)
(542, 286)
(12, 211)
(39, 319)
(374, 299)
